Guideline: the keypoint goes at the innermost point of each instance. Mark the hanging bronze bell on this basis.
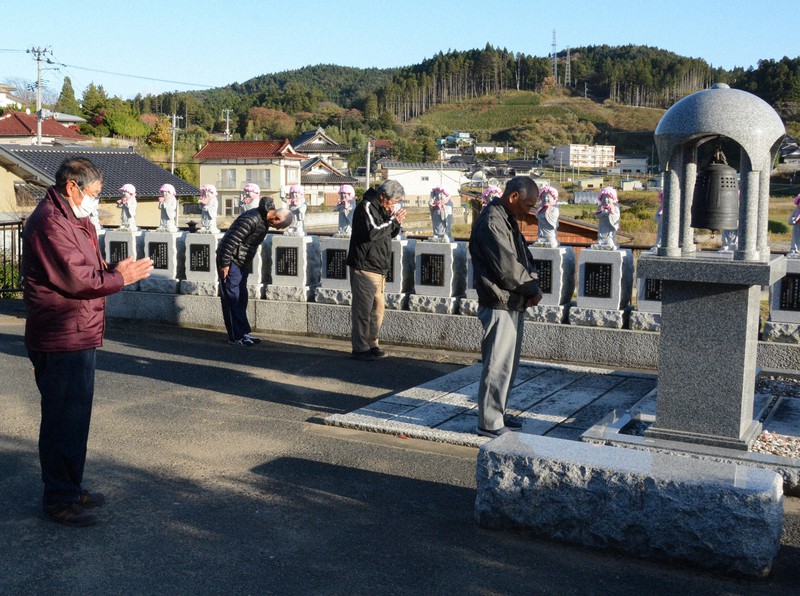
(715, 205)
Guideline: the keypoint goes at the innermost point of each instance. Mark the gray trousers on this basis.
(500, 350)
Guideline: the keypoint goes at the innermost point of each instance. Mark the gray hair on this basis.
(392, 189)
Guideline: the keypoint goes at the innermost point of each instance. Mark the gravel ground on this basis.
(773, 443)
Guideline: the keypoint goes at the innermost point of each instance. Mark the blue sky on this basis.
(194, 44)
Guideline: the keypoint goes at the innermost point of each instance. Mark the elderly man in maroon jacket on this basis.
(66, 282)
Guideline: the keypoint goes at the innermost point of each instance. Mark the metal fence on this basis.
(10, 257)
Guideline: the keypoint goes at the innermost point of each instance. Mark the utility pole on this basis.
(369, 142)
(555, 58)
(39, 52)
(174, 129)
(567, 71)
(226, 113)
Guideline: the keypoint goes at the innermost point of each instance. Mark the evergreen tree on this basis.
(67, 104)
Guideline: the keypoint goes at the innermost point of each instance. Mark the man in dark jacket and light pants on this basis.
(65, 289)
(375, 223)
(507, 284)
(235, 253)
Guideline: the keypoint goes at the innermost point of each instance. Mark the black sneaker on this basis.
(242, 341)
(91, 500)
(255, 340)
(511, 424)
(69, 514)
(377, 352)
(366, 355)
(492, 433)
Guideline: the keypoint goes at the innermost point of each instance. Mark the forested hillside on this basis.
(496, 93)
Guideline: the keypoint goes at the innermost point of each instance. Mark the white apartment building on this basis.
(582, 156)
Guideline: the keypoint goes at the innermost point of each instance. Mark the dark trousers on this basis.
(66, 384)
(233, 293)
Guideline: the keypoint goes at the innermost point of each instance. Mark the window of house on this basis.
(291, 175)
(227, 178)
(424, 178)
(260, 177)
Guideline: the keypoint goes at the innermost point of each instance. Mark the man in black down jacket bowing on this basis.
(375, 223)
(235, 253)
(507, 283)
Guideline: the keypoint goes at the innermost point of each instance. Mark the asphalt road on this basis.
(222, 479)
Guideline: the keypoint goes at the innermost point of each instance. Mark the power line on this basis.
(130, 76)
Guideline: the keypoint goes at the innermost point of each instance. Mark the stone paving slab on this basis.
(548, 399)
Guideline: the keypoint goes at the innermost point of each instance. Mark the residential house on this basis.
(8, 99)
(21, 128)
(381, 148)
(229, 165)
(316, 143)
(321, 182)
(493, 149)
(418, 179)
(590, 182)
(630, 164)
(26, 171)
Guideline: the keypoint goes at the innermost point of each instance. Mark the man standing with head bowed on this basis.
(66, 284)
(507, 284)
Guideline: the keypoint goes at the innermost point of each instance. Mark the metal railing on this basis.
(10, 257)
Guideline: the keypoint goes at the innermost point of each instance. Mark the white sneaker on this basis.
(242, 341)
(255, 340)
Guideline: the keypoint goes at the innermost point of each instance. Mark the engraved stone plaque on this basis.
(286, 260)
(545, 270)
(432, 269)
(652, 290)
(336, 263)
(390, 274)
(200, 257)
(790, 292)
(118, 251)
(597, 282)
(158, 251)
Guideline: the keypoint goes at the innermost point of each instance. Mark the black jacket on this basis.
(371, 239)
(241, 241)
(503, 270)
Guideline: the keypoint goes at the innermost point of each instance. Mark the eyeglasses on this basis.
(83, 192)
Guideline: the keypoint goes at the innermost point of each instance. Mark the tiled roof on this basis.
(303, 143)
(398, 165)
(309, 179)
(119, 166)
(248, 150)
(330, 176)
(14, 124)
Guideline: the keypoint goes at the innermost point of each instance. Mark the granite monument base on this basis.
(716, 515)
(396, 300)
(644, 321)
(468, 306)
(605, 279)
(599, 317)
(556, 269)
(158, 285)
(290, 293)
(442, 305)
(708, 347)
(557, 314)
(787, 333)
(784, 295)
(200, 288)
(341, 297)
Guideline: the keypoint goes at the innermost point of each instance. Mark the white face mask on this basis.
(86, 208)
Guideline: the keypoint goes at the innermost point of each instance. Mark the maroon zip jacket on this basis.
(65, 279)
